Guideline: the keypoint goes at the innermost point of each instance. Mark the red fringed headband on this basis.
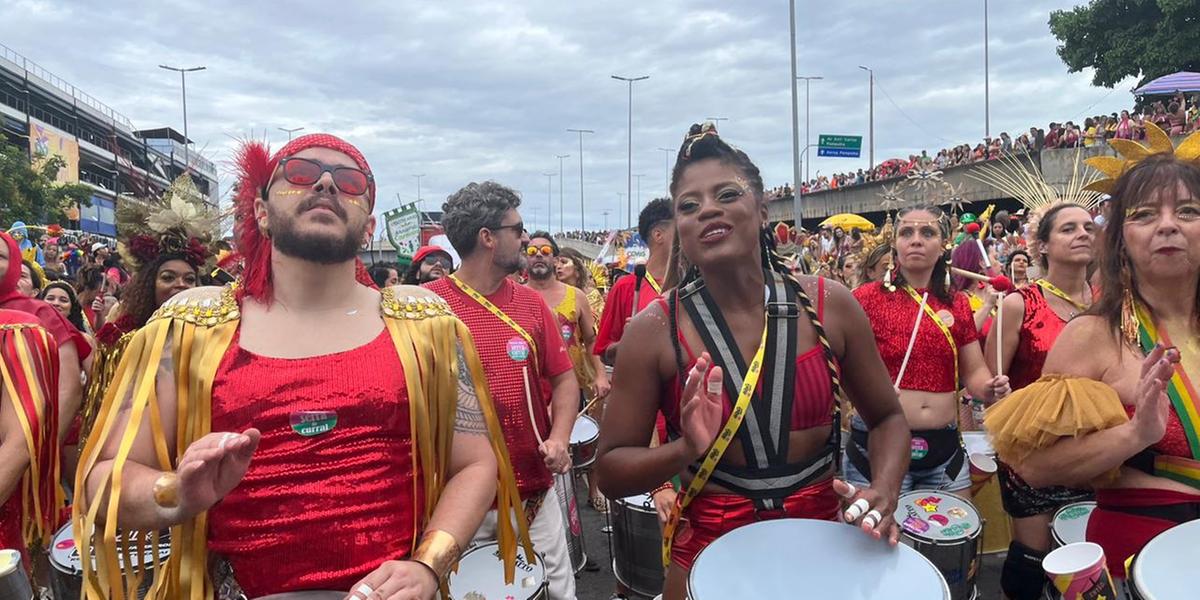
(255, 166)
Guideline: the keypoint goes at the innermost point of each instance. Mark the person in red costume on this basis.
(1033, 319)
(1115, 408)
(264, 441)
(926, 373)
(29, 490)
(68, 342)
(690, 353)
(529, 373)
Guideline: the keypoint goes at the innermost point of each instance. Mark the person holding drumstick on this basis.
(926, 334)
(746, 371)
(1116, 408)
(1033, 318)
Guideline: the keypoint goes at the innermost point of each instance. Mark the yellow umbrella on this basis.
(848, 221)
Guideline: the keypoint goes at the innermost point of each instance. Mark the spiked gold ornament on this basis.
(1130, 153)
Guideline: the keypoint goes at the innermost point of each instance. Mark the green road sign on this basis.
(853, 142)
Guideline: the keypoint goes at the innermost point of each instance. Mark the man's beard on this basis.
(426, 277)
(316, 248)
(541, 271)
(510, 265)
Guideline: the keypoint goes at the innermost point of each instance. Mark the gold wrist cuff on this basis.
(166, 490)
(438, 551)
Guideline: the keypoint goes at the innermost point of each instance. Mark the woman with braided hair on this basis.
(689, 356)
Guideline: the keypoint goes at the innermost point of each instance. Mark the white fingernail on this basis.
(225, 440)
(852, 490)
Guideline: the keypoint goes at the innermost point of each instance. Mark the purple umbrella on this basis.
(1183, 81)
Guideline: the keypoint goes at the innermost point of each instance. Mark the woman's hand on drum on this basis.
(396, 580)
(211, 467)
(870, 509)
(664, 502)
(1153, 407)
(701, 414)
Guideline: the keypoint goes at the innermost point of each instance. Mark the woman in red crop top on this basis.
(689, 355)
(944, 356)
(1033, 318)
(1134, 352)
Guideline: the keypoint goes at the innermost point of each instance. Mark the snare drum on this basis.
(480, 574)
(14, 581)
(1069, 524)
(585, 435)
(792, 558)
(564, 492)
(1164, 568)
(637, 545)
(66, 574)
(946, 529)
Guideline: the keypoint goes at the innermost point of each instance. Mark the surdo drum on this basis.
(637, 544)
(1164, 569)
(480, 576)
(946, 529)
(14, 582)
(66, 574)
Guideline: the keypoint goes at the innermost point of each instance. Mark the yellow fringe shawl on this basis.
(195, 334)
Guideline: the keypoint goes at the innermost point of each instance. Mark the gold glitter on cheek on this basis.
(286, 193)
(359, 201)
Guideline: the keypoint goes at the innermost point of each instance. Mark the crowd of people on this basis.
(248, 400)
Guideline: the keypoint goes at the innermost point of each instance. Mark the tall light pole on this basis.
(666, 170)
(620, 199)
(987, 112)
(290, 131)
(605, 213)
(795, 116)
(420, 204)
(638, 177)
(581, 215)
(629, 165)
(183, 86)
(560, 158)
(549, 200)
(807, 135)
(871, 123)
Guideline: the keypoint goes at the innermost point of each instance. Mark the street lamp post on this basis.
(549, 200)
(605, 213)
(638, 177)
(290, 131)
(560, 158)
(620, 199)
(807, 135)
(420, 204)
(795, 116)
(581, 214)
(629, 165)
(666, 170)
(987, 113)
(183, 88)
(798, 194)
(716, 121)
(871, 122)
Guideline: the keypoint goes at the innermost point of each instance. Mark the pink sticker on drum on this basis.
(920, 448)
(573, 517)
(929, 503)
(940, 520)
(915, 525)
(66, 544)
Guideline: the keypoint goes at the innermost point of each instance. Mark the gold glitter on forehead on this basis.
(916, 223)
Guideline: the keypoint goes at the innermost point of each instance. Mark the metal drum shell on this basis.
(637, 545)
(950, 556)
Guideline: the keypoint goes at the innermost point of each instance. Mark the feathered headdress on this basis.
(179, 224)
(255, 166)
(1130, 153)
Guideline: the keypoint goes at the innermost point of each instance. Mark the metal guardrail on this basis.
(63, 85)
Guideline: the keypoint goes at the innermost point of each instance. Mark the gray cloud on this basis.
(466, 91)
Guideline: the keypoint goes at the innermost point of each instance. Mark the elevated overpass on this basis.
(1055, 165)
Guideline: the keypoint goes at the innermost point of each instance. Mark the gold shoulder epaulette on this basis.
(202, 311)
(412, 307)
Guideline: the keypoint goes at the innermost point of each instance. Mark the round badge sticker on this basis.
(567, 332)
(946, 317)
(518, 349)
(920, 448)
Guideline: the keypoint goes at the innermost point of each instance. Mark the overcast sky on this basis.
(463, 91)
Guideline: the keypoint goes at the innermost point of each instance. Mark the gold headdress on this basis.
(1130, 153)
(179, 224)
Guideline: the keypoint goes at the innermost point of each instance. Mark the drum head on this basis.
(481, 571)
(1161, 570)
(1070, 522)
(585, 430)
(976, 442)
(760, 561)
(63, 554)
(931, 516)
(10, 561)
(637, 501)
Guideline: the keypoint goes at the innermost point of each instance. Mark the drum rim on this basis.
(1054, 519)
(1135, 574)
(943, 541)
(692, 572)
(641, 508)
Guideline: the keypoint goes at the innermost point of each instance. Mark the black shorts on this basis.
(1022, 500)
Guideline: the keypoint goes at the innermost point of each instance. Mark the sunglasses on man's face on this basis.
(543, 250)
(441, 261)
(306, 172)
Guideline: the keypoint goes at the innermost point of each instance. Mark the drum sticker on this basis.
(573, 516)
(309, 423)
(929, 503)
(957, 529)
(940, 520)
(920, 448)
(915, 525)
(946, 317)
(518, 349)
(1075, 512)
(567, 332)
(957, 512)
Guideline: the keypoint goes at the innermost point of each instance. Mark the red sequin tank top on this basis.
(1039, 328)
(329, 493)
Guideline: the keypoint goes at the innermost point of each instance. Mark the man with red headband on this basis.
(430, 263)
(357, 456)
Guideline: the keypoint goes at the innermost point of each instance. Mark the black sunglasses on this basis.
(518, 227)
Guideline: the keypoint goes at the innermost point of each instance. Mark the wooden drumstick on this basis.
(529, 405)
(970, 275)
(1000, 335)
(911, 340)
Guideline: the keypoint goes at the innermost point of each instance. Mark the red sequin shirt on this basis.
(329, 494)
(503, 353)
(931, 368)
(1040, 326)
